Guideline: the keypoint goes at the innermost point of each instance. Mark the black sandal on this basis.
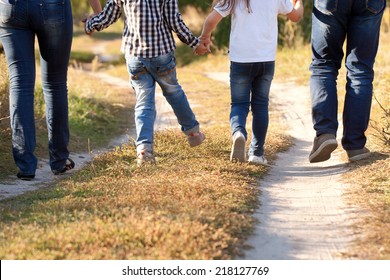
(25, 177)
(69, 164)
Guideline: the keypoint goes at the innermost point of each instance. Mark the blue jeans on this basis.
(144, 73)
(51, 22)
(249, 87)
(358, 22)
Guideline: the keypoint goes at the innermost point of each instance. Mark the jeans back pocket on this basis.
(53, 11)
(326, 6)
(375, 6)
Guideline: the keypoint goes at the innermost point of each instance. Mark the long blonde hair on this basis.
(231, 4)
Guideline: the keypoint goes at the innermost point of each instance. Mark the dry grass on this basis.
(195, 204)
(371, 192)
(370, 179)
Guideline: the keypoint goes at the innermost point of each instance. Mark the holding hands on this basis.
(204, 46)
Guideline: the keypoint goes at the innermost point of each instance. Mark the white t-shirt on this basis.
(254, 36)
(4, 2)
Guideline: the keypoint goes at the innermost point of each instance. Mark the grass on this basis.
(195, 204)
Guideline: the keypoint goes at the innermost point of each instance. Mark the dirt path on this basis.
(302, 213)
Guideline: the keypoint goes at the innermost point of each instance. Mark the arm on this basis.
(176, 24)
(297, 12)
(209, 25)
(96, 6)
(110, 14)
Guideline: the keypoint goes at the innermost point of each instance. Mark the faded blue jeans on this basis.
(144, 73)
(358, 23)
(51, 22)
(250, 84)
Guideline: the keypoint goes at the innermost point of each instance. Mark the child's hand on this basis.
(204, 46)
(84, 20)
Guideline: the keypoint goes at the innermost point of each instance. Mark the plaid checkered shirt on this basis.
(148, 26)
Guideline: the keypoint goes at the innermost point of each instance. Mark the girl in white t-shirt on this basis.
(252, 51)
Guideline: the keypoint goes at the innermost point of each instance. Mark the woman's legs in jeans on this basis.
(55, 40)
(52, 23)
(18, 45)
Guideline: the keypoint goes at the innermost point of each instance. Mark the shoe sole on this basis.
(258, 163)
(25, 177)
(359, 157)
(238, 150)
(324, 151)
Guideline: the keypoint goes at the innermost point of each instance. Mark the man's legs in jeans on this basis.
(362, 46)
(328, 35)
(361, 21)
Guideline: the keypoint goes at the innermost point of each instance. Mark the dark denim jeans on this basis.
(145, 72)
(51, 22)
(334, 21)
(250, 84)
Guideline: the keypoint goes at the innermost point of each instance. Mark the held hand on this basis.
(205, 40)
(201, 49)
(84, 20)
(204, 46)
